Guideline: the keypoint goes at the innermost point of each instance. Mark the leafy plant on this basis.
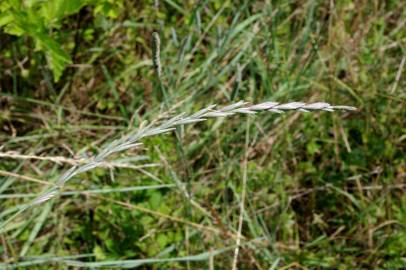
(42, 21)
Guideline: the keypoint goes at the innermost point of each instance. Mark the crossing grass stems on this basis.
(132, 140)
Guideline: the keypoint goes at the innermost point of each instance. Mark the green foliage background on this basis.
(325, 190)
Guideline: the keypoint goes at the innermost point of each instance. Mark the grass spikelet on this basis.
(128, 142)
(156, 50)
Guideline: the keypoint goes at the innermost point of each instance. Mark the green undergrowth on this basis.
(324, 191)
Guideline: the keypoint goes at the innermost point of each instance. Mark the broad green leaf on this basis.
(54, 11)
(5, 18)
(57, 58)
(36, 18)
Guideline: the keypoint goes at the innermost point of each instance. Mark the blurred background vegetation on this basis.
(324, 190)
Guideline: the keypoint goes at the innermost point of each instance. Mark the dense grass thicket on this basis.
(314, 190)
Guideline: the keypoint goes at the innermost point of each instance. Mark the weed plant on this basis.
(220, 187)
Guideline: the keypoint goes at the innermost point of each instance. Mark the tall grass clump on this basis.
(134, 139)
(111, 155)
